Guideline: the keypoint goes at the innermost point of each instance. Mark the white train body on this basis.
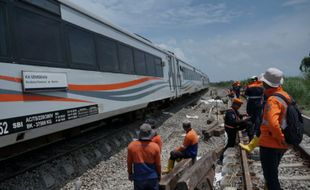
(55, 74)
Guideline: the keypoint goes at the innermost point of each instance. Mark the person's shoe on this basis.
(250, 147)
(169, 167)
(219, 162)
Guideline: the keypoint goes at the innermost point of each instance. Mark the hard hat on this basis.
(237, 101)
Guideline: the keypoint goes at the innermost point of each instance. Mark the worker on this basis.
(143, 160)
(234, 121)
(189, 148)
(254, 93)
(156, 139)
(231, 93)
(236, 86)
(272, 141)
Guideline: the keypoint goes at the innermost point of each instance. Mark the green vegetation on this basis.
(299, 89)
(222, 84)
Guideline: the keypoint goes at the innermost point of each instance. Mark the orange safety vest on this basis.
(274, 118)
(157, 139)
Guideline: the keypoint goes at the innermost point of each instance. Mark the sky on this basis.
(226, 39)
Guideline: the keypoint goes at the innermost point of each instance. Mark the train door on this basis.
(178, 74)
(172, 75)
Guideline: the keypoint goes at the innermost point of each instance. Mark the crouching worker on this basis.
(189, 148)
(234, 122)
(143, 161)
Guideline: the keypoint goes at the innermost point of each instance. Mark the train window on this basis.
(150, 65)
(48, 5)
(3, 43)
(158, 68)
(82, 48)
(41, 43)
(126, 59)
(107, 55)
(140, 67)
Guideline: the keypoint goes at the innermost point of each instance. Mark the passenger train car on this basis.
(62, 66)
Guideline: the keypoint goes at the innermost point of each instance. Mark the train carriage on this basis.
(62, 66)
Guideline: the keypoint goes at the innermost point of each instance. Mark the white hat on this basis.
(146, 132)
(273, 77)
(253, 77)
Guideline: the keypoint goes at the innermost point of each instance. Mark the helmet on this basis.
(151, 122)
(254, 78)
(237, 101)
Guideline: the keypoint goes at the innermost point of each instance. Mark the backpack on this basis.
(293, 133)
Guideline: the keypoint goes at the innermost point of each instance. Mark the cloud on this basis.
(280, 43)
(293, 2)
(137, 14)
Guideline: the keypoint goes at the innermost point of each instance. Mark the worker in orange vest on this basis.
(189, 148)
(143, 160)
(271, 141)
(236, 86)
(254, 93)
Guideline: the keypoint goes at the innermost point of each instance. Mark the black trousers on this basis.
(231, 135)
(270, 159)
(149, 184)
(176, 154)
(254, 109)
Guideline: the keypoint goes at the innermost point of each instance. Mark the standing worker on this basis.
(143, 161)
(254, 93)
(236, 86)
(272, 141)
(189, 148)
(233, 123)
(156, 139)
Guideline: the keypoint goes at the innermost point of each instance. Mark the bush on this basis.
(299, 89)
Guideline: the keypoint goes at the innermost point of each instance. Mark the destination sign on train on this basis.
(34, 81)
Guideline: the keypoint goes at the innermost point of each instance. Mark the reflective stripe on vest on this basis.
(283, 122)
(228, 126)
(265, 122)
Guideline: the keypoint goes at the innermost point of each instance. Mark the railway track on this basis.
(101, 143)
(244, 171)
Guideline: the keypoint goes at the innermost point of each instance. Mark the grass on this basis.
(299, 89)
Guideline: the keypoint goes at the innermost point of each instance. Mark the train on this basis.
(62, 66)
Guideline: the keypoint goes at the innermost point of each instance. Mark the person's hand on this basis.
(244, 115)
(130, 177)
(247, 118)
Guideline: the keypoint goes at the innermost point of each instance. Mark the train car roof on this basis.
(137, 37)
(103, 21)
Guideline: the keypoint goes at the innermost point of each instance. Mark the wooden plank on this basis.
(169, 181)
(195, 174)
(245, 167)
(207, 182)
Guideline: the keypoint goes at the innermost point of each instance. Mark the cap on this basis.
(146, 132)
(254, 77)
(273, 77)
(151, 122)
(186, 123)
(237, 101)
